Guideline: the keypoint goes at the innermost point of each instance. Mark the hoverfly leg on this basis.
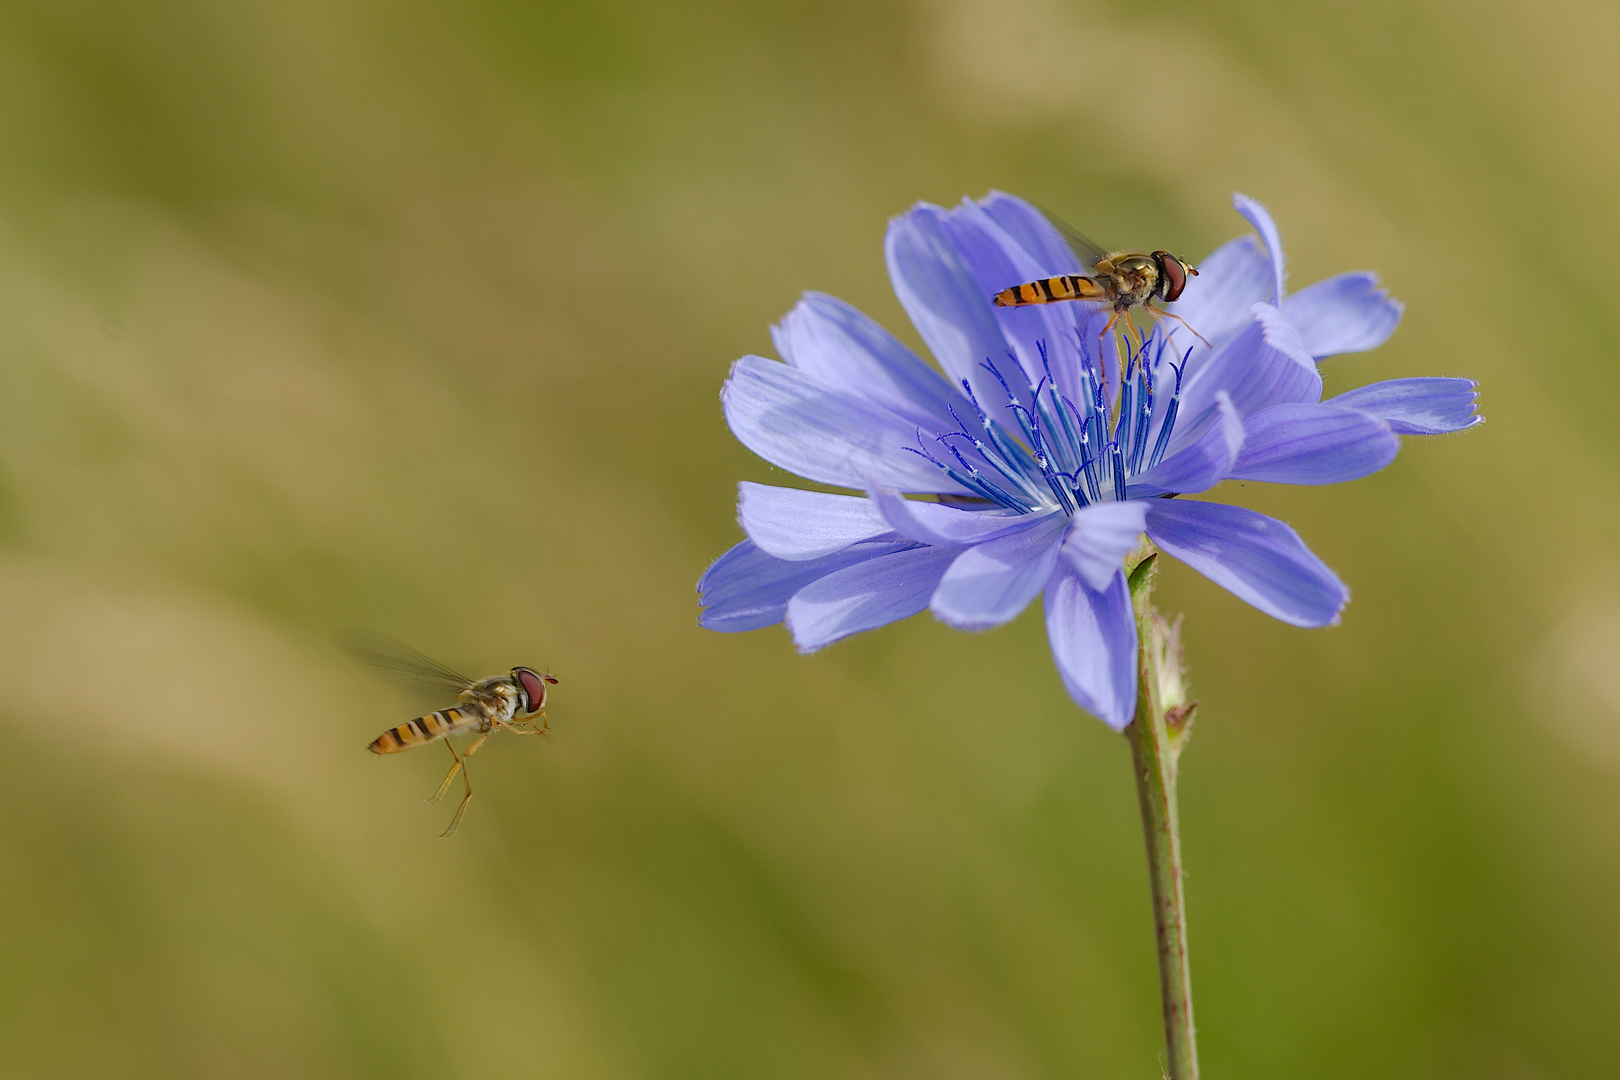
(533, 729)
(1102, 360)
(1132, 335)
(1103, 336)
(433, 800)
(1183, 322)
(466, 778)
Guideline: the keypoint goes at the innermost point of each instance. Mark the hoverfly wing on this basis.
(401, 662)
(1087, 250)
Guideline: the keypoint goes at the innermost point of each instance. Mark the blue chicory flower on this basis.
(1050, 453)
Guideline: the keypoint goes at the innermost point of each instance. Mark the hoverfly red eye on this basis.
(1172, 275)
(534, 688)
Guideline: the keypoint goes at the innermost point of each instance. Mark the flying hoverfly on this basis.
(1122, 279)
(507, 701)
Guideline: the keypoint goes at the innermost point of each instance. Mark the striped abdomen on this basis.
(1049, 291)
(424, 729)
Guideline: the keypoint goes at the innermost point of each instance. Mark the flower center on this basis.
(1047, 451)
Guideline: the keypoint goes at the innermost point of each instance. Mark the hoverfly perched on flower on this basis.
(1122, 279)
(483, 705)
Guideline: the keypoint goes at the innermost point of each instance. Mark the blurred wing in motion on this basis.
(401, 662)
(1085, 249)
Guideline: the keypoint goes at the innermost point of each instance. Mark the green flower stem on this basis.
(1156, 735)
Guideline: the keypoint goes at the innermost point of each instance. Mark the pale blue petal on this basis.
(796, 525)
(1093, 636)
(746, 589)
(1347, 313)
(1257, 558)
(991, 583)
(865, 596)
(1260, 218)
(950, 310)
(845, 350)
(1197, 465)
(1313, 444)
(1418, 406)
(794, 422)
(1216, 303)
(1030, 229)
(996, 260)
(942, 525)
(1100, 537)
(1267, 364)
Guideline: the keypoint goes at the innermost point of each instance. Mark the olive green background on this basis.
(413, 315)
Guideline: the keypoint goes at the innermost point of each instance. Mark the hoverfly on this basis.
(483, 705)
(1123, 279)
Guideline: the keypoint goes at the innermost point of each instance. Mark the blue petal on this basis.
(1100, 537)
(1313, 444)
(746, 589)
(944, 526)
(1093, 636)
(1347, 313)
(1266, 364)
(996, 260)
(1197, 465)
(1260, 218)
(991, 583)
(1032, 232)
(1257, 558)
(951, 311)
(865, 596)
(791, 524)
(843, 349)
(1230, 282)
(1418, 406)
(794, 422)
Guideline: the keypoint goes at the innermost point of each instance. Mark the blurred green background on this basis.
(413, 315)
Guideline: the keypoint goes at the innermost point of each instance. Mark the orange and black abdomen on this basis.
(1049, 291)
(423, 729)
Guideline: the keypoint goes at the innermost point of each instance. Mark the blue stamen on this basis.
(1164, 432)
(1079, 454)
(1010, 451)
(1012, 398)
(1087, 460)
(1122, 426)
(1032, 431)
(991, 368)
(966, 481)
(1062, 492)
(1144, 423)
(996, 460)
(1071, 437)
(973, 481)
(1169, 414)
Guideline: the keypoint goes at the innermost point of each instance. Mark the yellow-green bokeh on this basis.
(413, 315)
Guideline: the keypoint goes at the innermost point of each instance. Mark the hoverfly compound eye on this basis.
(534, 688)
(1172, 275)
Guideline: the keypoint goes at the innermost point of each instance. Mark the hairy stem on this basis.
(1155, 748)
